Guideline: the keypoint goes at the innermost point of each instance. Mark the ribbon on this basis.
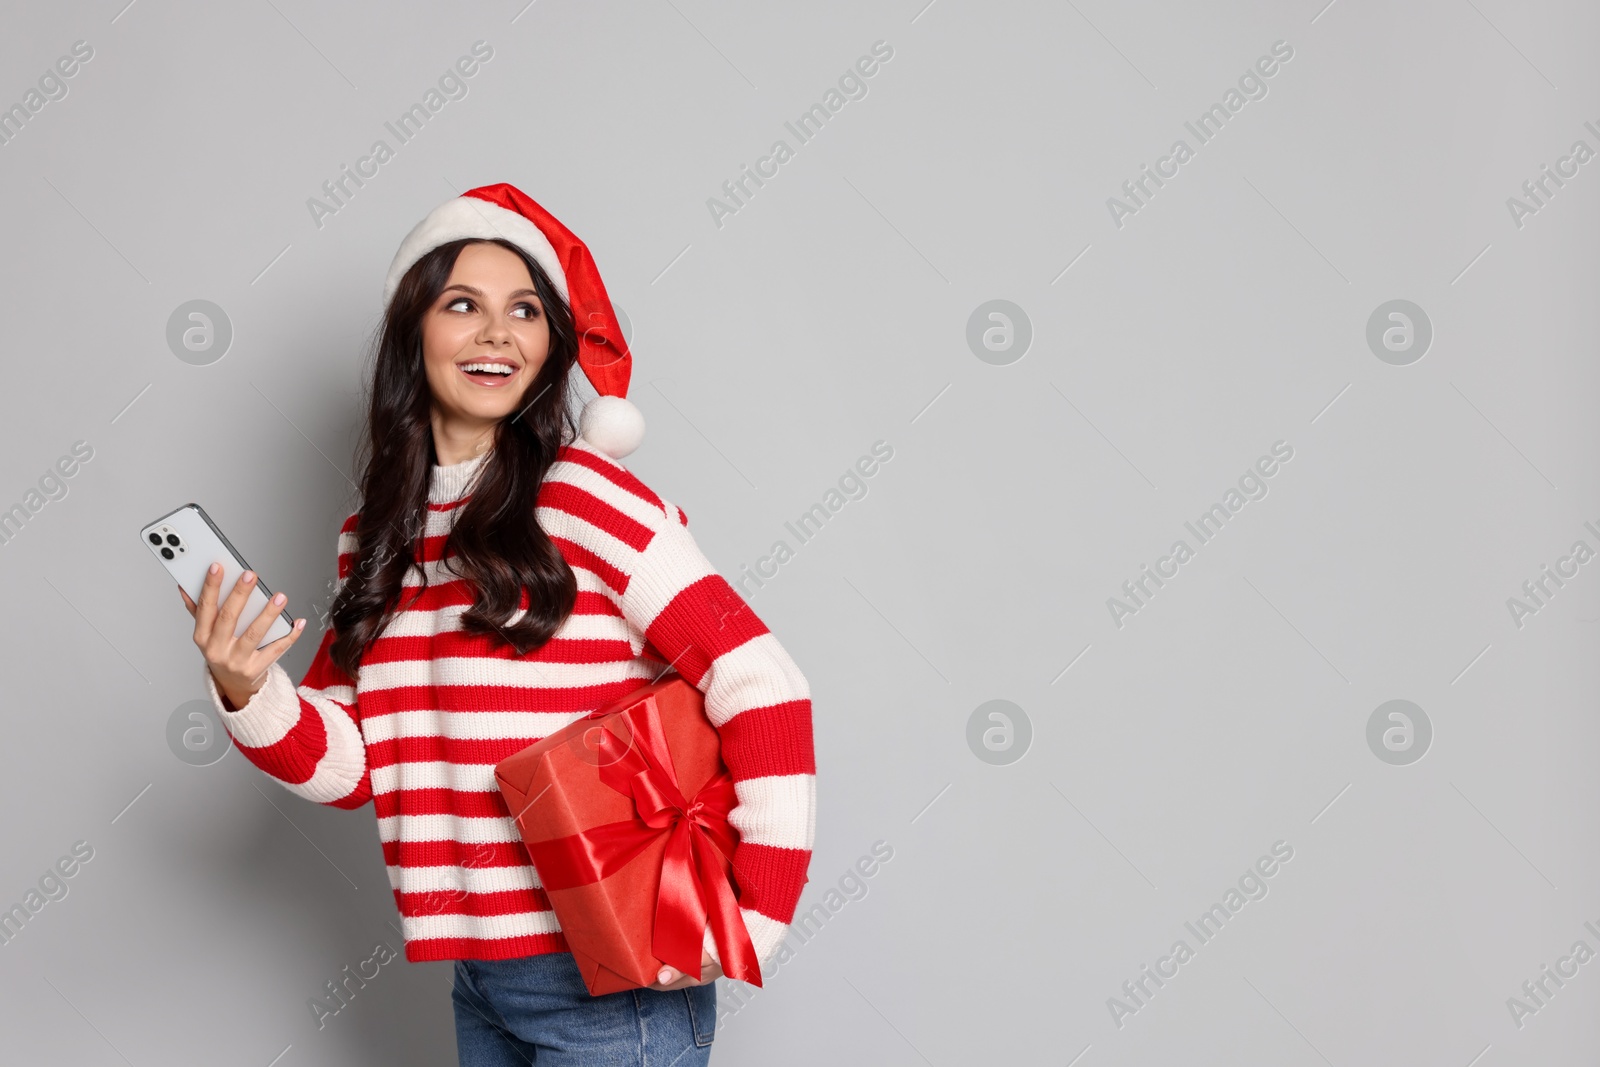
(693, 882)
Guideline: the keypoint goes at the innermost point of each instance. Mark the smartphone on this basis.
(186, 542)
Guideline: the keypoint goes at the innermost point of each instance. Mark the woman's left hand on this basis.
(671, 978)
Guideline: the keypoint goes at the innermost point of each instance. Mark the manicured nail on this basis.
(665, 976)
(277, 598)
(299, 624)
(249, 577)
(214, 568)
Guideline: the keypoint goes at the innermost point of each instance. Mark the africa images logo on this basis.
(1252, 486)
(1252, 85)
(852, 85)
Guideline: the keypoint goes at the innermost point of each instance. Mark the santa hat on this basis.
(609, 422)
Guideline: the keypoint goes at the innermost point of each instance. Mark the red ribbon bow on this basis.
(693, 882)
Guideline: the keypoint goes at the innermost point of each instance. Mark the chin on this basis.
(490, 412)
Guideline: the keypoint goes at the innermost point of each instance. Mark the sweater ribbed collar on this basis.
(446, 485)
(449, 484)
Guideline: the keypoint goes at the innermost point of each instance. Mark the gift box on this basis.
(625, 817)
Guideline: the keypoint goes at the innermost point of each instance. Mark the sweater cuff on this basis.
(765, 934)
(267, 717)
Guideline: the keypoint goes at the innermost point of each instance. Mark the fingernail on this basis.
(214, 568)
(300, 624)
(277, 598)
(249, 576)
(664, 976)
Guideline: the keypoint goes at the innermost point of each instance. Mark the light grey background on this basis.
(829, 313)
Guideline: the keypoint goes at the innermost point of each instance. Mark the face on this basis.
(488, 317)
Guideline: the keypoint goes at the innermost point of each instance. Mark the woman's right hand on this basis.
(239, 667)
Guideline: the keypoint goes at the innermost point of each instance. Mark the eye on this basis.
(458, 300)
(533, 312)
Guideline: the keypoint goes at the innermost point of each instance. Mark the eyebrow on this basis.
(479, 292)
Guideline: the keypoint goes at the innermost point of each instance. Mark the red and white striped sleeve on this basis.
(760, 704)
(308, 737)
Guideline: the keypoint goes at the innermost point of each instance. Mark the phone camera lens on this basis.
(172, 539)
(166, 553)
(155, 539)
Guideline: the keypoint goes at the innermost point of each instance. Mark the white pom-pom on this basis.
(612, 424)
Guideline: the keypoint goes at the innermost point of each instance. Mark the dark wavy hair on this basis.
(499, 547)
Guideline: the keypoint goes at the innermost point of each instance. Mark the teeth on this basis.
(493, 368)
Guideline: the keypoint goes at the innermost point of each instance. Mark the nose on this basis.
(495, 331)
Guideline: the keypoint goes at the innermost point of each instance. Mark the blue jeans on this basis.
(536, 1010)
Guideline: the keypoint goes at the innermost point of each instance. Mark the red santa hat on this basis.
(609, 422)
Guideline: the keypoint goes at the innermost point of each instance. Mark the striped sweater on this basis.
(433, 709)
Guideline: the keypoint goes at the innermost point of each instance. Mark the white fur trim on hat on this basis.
(612, 424)
(467, 216)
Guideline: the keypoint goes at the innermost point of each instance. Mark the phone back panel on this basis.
(198, 544)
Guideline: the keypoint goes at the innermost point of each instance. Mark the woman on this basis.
(551, 581)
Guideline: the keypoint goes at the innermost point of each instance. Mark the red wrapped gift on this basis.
(625, 816)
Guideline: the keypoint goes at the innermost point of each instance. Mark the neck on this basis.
(454, 442)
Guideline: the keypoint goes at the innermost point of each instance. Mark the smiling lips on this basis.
(489, 372)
